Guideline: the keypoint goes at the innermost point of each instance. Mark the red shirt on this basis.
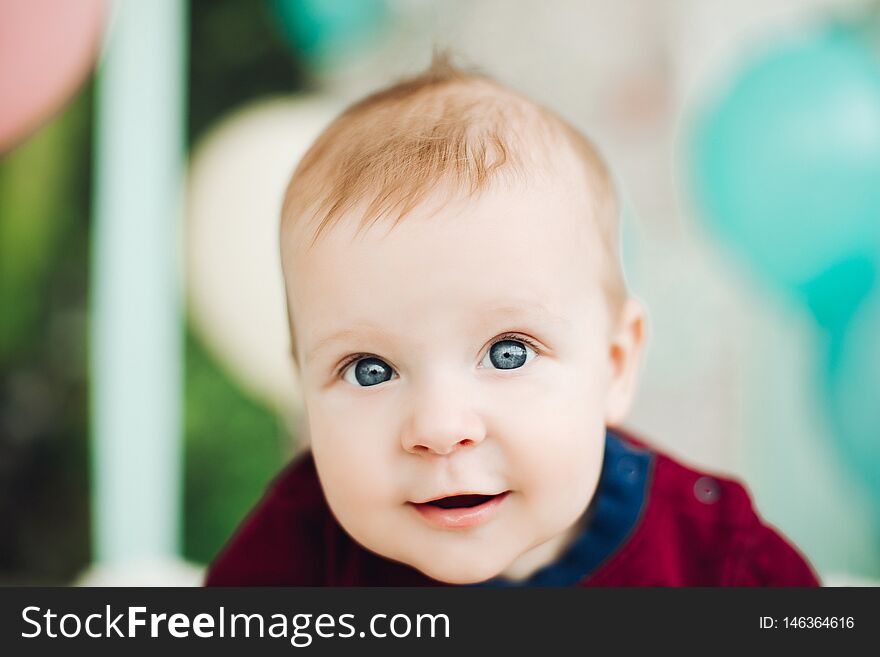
(653, 522)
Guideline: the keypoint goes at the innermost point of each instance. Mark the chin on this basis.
(460, 573)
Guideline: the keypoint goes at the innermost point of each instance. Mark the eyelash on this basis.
(340, 371)
(348, 361)
(518, 338)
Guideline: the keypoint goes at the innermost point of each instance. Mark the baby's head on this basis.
(460, 324)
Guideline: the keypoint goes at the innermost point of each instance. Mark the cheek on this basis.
(554, 434)
(567, 459)
(558, 480)
(354, 453)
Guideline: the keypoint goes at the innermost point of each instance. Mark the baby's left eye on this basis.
(508, 355)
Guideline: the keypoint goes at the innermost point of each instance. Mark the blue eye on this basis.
(508, 355)
(368, 372)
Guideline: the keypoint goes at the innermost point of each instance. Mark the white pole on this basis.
(136, 326)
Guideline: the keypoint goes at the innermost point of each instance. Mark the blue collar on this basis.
(612, 516)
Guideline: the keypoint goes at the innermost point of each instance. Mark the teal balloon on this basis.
(836, 294)
(786, 159)
(326, 32)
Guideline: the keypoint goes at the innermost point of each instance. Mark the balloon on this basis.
(236, 183)
(325, 31)
(786, 160)
(47, 49)
(835, 295)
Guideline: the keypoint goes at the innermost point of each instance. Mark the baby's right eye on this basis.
(368, 371)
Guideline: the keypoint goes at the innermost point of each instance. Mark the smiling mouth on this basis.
(460, 501)
(460, 511)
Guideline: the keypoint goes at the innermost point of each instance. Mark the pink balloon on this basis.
(47, 48)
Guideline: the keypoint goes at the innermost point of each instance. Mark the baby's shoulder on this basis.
(678, 489)
(702, 528)
(280, 540)
(704, 496)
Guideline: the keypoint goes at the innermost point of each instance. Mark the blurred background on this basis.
(146, 398)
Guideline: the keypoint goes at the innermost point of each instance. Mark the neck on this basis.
(545, 553)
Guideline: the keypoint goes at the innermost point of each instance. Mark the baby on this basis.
(465, 341)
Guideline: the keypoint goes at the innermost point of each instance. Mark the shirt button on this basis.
(707, 490)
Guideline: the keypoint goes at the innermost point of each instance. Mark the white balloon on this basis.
(237, 178)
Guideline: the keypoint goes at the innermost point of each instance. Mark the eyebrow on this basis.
(355, 331)
(526, 308)
(511, 310)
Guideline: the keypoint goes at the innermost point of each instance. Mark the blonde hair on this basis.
(386, 154)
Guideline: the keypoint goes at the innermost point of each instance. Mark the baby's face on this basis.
(456, 376)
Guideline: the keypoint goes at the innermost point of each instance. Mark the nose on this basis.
(442, 420)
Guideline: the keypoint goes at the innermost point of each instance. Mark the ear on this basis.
(625, 351)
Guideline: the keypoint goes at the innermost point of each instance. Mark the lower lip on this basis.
(463, 517)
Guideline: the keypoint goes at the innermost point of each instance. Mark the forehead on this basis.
(527, 252)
